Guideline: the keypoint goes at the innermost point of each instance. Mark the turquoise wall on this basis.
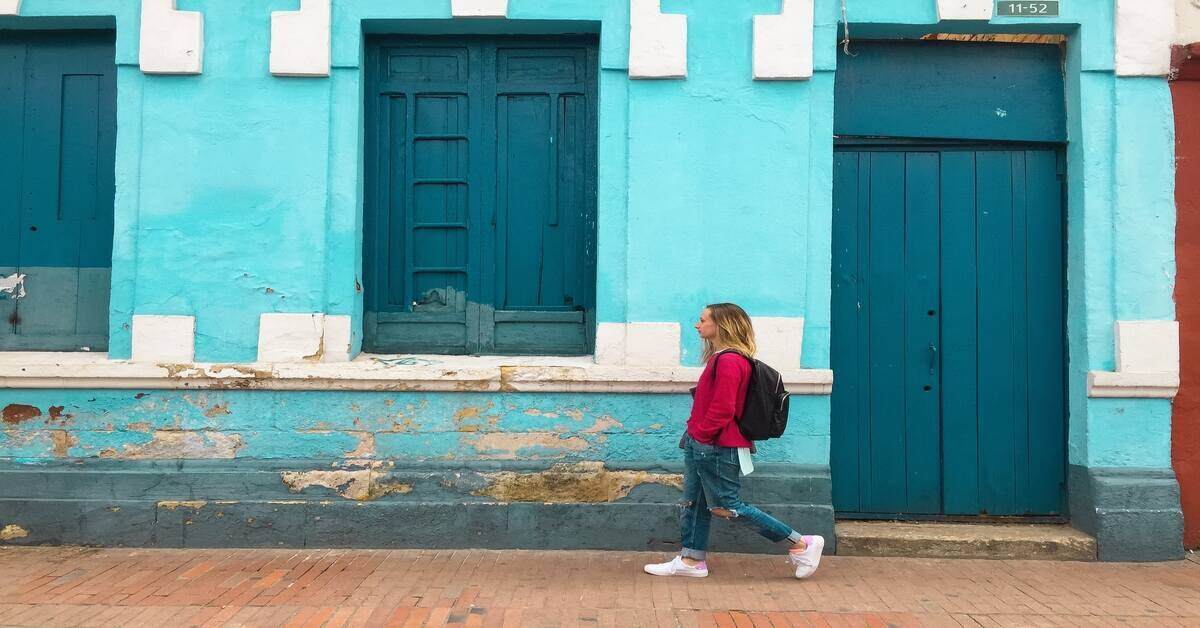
(239, 193)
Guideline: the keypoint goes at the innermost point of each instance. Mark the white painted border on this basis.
(10, 7)
(479, 8)
(783, 44)
(1147, 362)
(160, 339)
(301, 40)
(290, 337)
(432, 373)
(965, 9)
(1145, 30)
(171, 41)
(657, 42)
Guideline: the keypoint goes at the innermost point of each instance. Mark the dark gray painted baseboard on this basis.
(1133, 513)
(241, 503)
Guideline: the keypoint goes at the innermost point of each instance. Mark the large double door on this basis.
(480, 222)
(948, 331)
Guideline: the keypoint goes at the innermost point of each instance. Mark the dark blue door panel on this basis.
(58, 120)
(948, 346)
(481, 216)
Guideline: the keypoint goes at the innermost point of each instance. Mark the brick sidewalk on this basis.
(90, 587)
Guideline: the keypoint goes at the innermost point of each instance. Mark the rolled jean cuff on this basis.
(792, 538)
(693, 554)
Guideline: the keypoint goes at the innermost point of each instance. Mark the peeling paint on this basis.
(174, 505)
(13, 286)
(366, 446)
(14, 413)
(217, 410)
(604, 423)
(62, 442)
(585, 482)
(505, 446)
(13, 531)
(359, 485)
(171, 444)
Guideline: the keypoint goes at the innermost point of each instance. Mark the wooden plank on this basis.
(922, 420)
(888, 490)
(1020, 335)
(959, 316)
(845, 349)
(1046, 443)
(996, 331)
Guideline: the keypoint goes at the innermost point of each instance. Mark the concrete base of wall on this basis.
(1133, 513)
(228, 503)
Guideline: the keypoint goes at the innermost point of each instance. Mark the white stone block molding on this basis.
(479, 8)
(965, 9)
(783, 44)
(306, 337)
(290, 337)
(172, 41)
(434, 373)
(10, 7)
(779, 340)
(335, 344)
(300, 40)
(657, 42)
(1147, 362)
(164, 339)
(1145, 30)
(638, 344)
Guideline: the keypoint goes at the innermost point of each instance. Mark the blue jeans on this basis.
(711, 480)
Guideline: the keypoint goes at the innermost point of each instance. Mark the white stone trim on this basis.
(1145, 30)
(164, 339)
(1147, 362)
(172, 41)
(300, 40)
(10, 7)
(1147, 346)
(479, 8)
(432, 373)
(779, 340)
(1104, 384)
(783, 44)
(335, 343)
(638, 344)
(657, 42)
(965, 9)
(290, 337)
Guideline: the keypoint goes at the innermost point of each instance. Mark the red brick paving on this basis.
(519, 589)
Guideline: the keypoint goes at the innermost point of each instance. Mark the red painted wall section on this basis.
(1185, 424)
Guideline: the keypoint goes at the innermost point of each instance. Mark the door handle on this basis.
(932, 359)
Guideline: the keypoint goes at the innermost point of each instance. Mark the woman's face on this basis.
(706, 327)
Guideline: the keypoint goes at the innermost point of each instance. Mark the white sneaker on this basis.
(676, 567)
(806, 562)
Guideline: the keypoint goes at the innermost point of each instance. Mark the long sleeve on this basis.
(723, 405)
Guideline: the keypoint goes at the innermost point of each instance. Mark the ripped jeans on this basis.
(711, 480)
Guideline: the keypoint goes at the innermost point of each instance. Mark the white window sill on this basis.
(1107, 384)
(434, 373)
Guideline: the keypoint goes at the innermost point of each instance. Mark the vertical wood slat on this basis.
(844, 449)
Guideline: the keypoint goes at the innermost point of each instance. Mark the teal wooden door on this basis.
(948, 341)
(57, 150)
(480, 220)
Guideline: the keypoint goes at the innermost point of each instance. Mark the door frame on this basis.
(908, 144)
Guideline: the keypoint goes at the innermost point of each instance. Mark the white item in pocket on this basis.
(745, 461)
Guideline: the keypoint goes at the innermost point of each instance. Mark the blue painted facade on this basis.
(239, 193)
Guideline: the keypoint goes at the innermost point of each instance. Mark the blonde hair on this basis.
(734, 331)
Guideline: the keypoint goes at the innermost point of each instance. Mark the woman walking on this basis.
(710, 452)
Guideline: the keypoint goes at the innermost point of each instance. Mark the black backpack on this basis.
(765, 414)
